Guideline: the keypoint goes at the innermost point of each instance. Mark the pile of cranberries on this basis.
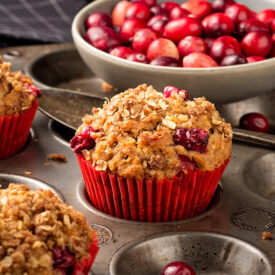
(194, 34)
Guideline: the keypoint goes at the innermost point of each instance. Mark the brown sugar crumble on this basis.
(32, 224)
(266, 235)
(106, 87)
(56, 157)
(134, 132)
(27, 173)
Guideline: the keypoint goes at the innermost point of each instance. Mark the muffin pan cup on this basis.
(181, 197)
(14, 131)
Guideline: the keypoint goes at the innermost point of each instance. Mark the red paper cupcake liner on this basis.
(14, 131)
(84, 267)
(150, 200)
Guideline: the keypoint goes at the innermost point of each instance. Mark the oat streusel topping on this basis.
(15, 94)
(134, 134)
(32, 223)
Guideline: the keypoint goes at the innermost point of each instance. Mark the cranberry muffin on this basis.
(39, 234)
(18, 105)
(145, 135)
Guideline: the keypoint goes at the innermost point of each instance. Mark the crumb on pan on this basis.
(266, 235)
(57, 157)
(28, 173)
(106, 87)
(46, 164)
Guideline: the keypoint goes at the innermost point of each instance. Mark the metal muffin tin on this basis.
(224, 240)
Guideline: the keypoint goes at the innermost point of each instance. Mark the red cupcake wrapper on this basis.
(150, 200)
(14, 131)
(84, 267)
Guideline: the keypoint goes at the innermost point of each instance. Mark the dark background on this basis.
(30, 22)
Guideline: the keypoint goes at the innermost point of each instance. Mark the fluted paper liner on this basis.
(84, 267)
(181, 197)
(14, 131)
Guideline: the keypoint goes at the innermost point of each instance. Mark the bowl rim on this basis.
(79, 39)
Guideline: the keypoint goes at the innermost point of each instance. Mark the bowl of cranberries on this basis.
(223, 49)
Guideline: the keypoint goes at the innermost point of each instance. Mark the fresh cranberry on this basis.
(157, 23)
(138, 57)
(166, 61)
(185, 164)
(200, 8)
(156, 10)
(209, 41)
(198, 60)
(162, 47)
(178, 268)
(62, 259)
(250, 25)
(254, 122)
(129, 28)
(178, 12)
(217, 24)
(33, 90)
(121, 51)
(193, 139)
(142, 39)
(238, 12)
(266, 16)
(149, 3)
(257, 43)
(220, 5)
(233, 59)
(179, 28)
(191, 44)
(83, 140)
(138, 11)
(169, 5)
(223, 46)
(272, 25)
(119, 12)
(253, 59)
(99, 19)
(103, 38)
(168, 90)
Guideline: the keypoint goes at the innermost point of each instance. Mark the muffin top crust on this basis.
(17, 91)
(36, 227)
(141, 133)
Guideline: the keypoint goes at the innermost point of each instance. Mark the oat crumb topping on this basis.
(134, 134)
(32, 224)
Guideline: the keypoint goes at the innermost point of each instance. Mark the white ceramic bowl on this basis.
(220, 85)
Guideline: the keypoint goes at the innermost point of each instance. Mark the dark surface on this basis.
(31, 22)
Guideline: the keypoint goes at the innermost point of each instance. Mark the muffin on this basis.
(152, 156)
(39, 234)
(18, 105)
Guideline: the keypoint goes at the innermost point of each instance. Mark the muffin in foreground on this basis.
(152, 156)
(39, 234)
(18, 105)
